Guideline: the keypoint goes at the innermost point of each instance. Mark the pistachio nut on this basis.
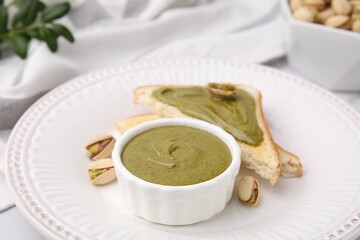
(318, 4)
(102, 171)
(324, 15)
(342, 7)
(295, 4)
(248, 190)
(100, 147)
(356, 26)
(314, 10)
(339, 21)
(354, 1)
(355, 16)
(222, 90)
(304, 14)
(356, 7)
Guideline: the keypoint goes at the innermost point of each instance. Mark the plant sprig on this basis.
(33, 19)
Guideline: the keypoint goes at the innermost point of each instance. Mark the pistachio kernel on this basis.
(223, 90)
(101, 147)
(102, 171)
(93, 173)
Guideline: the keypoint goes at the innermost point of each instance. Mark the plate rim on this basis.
(12, 156)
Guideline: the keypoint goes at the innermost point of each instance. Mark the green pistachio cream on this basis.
(176, 156)
(232, 109)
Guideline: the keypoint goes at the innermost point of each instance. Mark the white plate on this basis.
(47, 165)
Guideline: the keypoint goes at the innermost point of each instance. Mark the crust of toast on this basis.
(290, 163)
(126, 123)
(263, 159)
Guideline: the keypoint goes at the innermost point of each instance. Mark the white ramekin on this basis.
(176, 205)
(328, 56)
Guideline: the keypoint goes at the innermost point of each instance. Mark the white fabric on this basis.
(4, 136)
(113, 42)
(247, 45)
(6, 200)
(163, 29)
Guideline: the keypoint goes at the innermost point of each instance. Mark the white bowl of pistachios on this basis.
(323, 41)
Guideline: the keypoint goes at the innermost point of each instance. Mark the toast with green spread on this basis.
(236, 108)
(290, 163)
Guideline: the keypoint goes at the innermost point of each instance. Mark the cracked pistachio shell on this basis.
(318, 4)
(225, 90)
(356, 26)
(105, 177)
(341, 7)
(313, 10)
(339, 21)
(248, 190)
(324, 15)
(355, 7)
(106, 151)
(295, 4)
(100, 164)
(304, 14)
(355, 16)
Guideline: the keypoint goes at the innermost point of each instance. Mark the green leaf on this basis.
(55, 11)
(1, 2)
(19, 2)
(50, 37)
(41, 6)
(35, 34)
(63, 31)
(19, 44)
(26, 14)
(3, 18)
(31, 14)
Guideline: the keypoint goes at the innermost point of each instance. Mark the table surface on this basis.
(13, 226)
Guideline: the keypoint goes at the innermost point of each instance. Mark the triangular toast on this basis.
(290, 163)
(263, 159)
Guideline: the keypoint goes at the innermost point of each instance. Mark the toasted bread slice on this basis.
(263, 159)
(290, 163)
(126, 123)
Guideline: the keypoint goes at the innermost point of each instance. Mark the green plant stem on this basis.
(19, 31)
